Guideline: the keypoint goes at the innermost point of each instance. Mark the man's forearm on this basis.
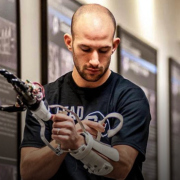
(39, 163)
(123, 166)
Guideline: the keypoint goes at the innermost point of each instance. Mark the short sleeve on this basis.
(134, 108)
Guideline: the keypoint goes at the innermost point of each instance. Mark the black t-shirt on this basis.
(117, 94)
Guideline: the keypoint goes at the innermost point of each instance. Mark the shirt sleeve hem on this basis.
(32, 144)
(142, 153)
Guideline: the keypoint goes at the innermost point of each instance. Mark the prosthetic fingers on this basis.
(31, 96)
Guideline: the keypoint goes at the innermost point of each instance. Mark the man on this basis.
(92, 91)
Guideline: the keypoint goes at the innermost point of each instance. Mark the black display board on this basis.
(9, 59)
(174, 94)
(56, 21)
(137, 62)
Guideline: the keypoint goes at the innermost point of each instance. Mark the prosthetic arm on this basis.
(30, 95)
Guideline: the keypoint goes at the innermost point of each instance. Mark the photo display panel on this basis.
(8, 121)
(137, 62)
(59, 58)
(174, 70)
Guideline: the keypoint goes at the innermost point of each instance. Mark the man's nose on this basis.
(94, 61)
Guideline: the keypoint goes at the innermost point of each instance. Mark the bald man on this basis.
(92, 91)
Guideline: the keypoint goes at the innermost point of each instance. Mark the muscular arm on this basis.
(122, 168)
(43, 163)
(39, 163)
(127, 153)
(69, 137)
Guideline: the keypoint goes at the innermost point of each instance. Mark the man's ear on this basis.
(116, 42)
(68, 41)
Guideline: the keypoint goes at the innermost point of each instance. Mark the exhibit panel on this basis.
(137, 62)
(174, 95)
(9, 60)
(56, 21)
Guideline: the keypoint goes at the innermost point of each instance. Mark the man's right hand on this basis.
(92, 127)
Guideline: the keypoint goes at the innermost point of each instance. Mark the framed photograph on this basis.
(137, 62)
(174, 95)
(10, 130)
(56, 21)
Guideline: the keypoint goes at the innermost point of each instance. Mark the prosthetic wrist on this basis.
(91, 159)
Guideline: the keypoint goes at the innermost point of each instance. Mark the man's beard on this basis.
(89, 77)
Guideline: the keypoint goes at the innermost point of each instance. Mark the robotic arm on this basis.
(30, 95)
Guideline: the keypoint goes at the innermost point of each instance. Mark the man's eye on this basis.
(103, 51)
(86, 50)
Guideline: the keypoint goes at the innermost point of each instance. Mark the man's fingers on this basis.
(61, 117)
(61, 131)
(64, 124)
(95, 125)
(91, 131)
(62, 120)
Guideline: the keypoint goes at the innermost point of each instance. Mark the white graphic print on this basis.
(98, 116)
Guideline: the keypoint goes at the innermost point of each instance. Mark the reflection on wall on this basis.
(8, 60)
(59, 22)
(175, 118)
(138, 64)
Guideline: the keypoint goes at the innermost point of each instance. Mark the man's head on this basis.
(95, 9)
(92, 44)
